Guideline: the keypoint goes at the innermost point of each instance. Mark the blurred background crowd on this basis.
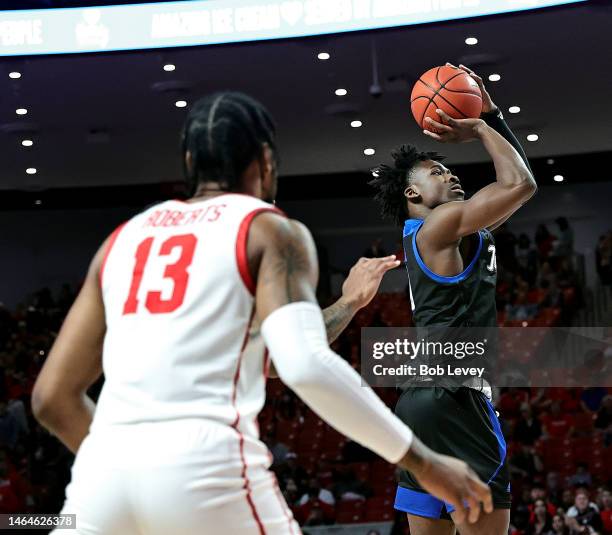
(559, 439)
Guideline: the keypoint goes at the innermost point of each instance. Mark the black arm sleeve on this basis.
(496, 121)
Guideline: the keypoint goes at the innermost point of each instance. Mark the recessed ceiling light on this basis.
(494, 77)
(27, 143)
(471, 41)
(341, 92)
(356, 124)
(550, 161)
(180, 103)
(169, 67)
(323, 56)
(533, 137)
(369, 152)
(21, 111)
(558, 178)
(514, 109)
(15, 75)
(31, 170)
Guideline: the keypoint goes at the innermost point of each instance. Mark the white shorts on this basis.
(175, 478)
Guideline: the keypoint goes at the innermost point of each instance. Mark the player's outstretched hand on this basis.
(450, 480)
(451, 130)
(487, 101)
(364, 279)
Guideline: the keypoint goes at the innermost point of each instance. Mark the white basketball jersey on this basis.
(179, 305)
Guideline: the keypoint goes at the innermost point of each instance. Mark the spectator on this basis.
(592, 397)
(348, 487)
(584, 516)
(544, 241)
(604, 414)
(606, 510)
(9, 501)
(553, 487)
(558, 424)
(375, 250)
(567, 499)
(582, 477)
(558, 526)
(542, 520)
(292, 470)
(528, 428)
(521, 309)
(9, 427)
(505, 243)
(603, 258)
(527, 259)
(525, 463)
(278, 449)
(539, 493)
(564, 246)
(316, 504)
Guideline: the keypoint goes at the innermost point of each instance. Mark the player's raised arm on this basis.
(282, 254)
(513, 187)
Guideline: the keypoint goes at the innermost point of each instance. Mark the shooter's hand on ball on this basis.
(454, 130)
(487, 101)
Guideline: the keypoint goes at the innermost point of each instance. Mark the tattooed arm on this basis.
(283, 257)
(358, 290)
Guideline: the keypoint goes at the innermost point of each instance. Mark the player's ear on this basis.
(412, 192)
(188, 161)
(267, 162)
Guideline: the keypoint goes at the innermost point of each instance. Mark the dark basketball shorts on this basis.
(461, 423)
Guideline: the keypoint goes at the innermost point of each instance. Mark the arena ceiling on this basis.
(111, 119)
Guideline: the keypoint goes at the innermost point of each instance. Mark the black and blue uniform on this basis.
(455, 420)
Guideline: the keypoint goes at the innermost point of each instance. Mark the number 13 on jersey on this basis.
(178, 272)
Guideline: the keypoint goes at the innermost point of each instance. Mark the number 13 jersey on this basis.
(179, 307)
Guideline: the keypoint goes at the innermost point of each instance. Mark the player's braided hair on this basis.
(391, 181)
(224, 132)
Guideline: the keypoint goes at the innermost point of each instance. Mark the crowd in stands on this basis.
(559, 439)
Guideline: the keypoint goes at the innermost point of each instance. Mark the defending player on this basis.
(167, 311)
(450, 259)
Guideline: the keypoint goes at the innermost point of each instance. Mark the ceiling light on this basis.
(471, 41)
(31, 170)
(514, 109)
(533, 137)
(21, 111)
(494, 77)
(341, 92)
(169, 67)
(558, 178)
(15, 75)
(323, 56)
(369, 152)
(27, 143)
(356, 124)
(180, 103)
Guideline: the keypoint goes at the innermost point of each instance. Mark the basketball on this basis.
(450, 89)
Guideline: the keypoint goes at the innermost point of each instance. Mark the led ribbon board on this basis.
(171, 24)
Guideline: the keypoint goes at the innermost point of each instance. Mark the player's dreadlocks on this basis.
(390, 182)
(224, 133)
